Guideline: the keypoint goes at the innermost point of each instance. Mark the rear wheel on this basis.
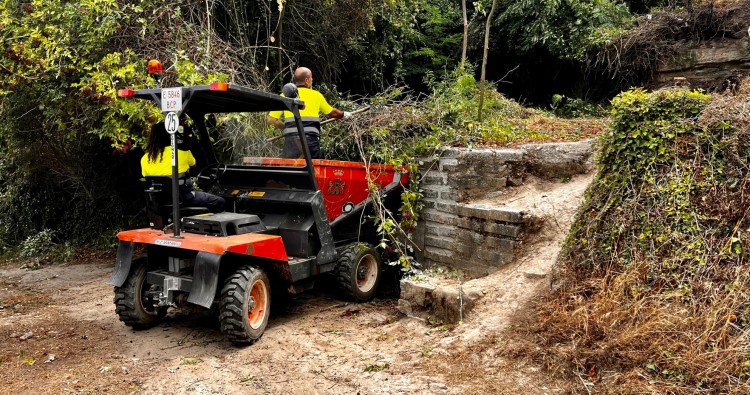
(135, 299)
(245, 305)
(358, 271)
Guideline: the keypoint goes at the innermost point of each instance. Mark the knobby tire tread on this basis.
(125, 300)
(232, 315)
(344, 271)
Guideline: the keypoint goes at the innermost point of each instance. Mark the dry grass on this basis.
(665, 311)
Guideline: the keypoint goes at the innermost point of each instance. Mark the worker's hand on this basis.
(347, 114)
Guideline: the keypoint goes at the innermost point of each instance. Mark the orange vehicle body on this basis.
(341, 183)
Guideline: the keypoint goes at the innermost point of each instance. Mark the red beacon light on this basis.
(155, 69)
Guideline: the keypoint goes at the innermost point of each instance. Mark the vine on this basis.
(653, 271)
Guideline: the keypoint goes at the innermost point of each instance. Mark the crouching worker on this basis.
(157, 162)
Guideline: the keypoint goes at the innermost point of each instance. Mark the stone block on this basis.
(445, 303)
(436, 188)
(479, 239)
(484, 155)
(430, 194)
(433, 177)
(417, 293)
(439, 255)
(464, 250)
(438, 242)
(448, 164)
(490, 227)
(418, 239)
(490, 213)
(441, 231)
(450, 304)
(495, 258)
(556, 160)
(446, 207)
(435, 215)
(468, 266)
(450, 196)
(404, 307)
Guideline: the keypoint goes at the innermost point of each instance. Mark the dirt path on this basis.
(59, 334)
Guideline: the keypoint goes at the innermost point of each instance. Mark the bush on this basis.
(37, 245)
(655, 271)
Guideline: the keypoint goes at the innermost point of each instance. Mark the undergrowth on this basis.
(408, 131)
(655, 279)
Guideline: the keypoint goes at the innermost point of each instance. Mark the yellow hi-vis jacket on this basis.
(315, 103)
(163, 165)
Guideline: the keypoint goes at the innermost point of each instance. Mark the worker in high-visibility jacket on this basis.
(315, 104)
(157, 162)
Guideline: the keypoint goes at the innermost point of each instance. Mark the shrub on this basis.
(655, 285)
(37, 245)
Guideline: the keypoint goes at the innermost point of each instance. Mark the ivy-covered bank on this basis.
(655, 272)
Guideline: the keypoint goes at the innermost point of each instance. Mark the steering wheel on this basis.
(210, 175)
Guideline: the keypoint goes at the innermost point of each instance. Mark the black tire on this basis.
(131, 303)
(245, 305)
(358, 271)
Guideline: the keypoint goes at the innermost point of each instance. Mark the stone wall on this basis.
(713, 65)
(478, 238)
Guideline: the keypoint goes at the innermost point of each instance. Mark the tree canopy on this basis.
(65, 139)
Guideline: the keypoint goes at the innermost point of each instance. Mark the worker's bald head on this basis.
(301, 76)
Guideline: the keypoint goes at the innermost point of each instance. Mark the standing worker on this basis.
(315, 104)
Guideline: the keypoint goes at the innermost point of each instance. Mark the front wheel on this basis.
(135, 300)
(358, 271)
(245, 305)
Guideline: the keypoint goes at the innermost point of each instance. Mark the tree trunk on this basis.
(208, 32)
(281, 50)
(466, 34)
(484, 58)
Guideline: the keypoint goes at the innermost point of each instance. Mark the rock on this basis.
(18, 307)
(405, 307)
(442, 303)
(379, 318)
(50, 358)
(26, 336)
(559, 160)
(417, 293)
(710, 64)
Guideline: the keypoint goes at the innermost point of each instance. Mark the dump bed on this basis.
(343, 184)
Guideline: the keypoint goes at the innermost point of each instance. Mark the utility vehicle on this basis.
(288, 221)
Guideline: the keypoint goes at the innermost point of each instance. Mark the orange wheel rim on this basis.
(258, 293)
(366, 273)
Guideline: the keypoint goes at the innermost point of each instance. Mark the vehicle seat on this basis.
(159, 203)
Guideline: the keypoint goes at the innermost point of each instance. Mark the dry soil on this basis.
(59, 333)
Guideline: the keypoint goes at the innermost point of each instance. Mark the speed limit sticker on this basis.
(171, 122)
(171, 99)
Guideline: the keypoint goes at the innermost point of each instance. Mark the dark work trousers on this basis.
(193, 198)
(293, 147)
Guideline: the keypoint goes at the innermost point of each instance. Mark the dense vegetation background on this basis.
(70, 148)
